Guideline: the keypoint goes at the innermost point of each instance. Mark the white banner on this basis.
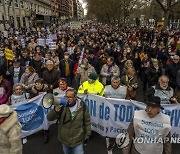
(109, 116)
(32, 115)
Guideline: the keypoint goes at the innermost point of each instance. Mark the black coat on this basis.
(62, 68)
(153, 75)
(95, 63)
(171, 72)
(11, 75)
(51, 77)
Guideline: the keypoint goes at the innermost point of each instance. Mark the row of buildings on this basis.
(29, 13)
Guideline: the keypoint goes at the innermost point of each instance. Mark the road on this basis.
(96, 145)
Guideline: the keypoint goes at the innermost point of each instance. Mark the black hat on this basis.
(154, 101)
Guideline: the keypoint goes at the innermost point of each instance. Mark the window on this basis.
(22, 4)
(16, 3)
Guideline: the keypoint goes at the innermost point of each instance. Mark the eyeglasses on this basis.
(69, 97)
(175, 59)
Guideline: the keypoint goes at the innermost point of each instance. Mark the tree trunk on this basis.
(166, 19)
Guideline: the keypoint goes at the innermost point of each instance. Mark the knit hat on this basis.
(5, 110)
(93, 76)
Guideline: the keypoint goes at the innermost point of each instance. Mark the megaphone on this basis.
(49, 100)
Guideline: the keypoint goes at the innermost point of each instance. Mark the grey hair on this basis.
(115, 78)
(16, 85)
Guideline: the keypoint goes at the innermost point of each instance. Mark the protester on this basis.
(15, 72)
(18, 94)
(51, 75)
(10, 130)
(163, 90)
(74, 122)
(61, 90)
(130, 80)
(28, 78)
(109, 70)
(115, 90)
(66, 66)
(6, 87)
(142, 121)
(171, 71)
(84, 70)
(92, 86)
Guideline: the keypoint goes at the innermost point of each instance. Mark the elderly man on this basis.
(115, 90)
(162, 90)
(151, 128)
(50, 75)
(92, 86)
(74, 123)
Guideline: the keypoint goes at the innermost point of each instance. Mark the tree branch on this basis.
(161, 5)
(175, 3)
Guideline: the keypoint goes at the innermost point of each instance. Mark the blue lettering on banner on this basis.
(104, 112)
(30, 115)
(174, 115)
(91, 106)
(124, 113)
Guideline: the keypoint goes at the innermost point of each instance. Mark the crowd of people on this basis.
(96, 59)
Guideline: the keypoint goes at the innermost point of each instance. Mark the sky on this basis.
(84, 5)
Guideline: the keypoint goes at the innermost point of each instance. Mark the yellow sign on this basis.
(8, 54)
(160, 23)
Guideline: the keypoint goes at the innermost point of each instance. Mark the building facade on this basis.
(24, 13)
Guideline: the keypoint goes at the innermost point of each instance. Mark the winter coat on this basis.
(11, 71)
(34, 92)
(10, 135)
(51, 77)
(7, 86)
(83, 73)
(29, 80)
(171, 72)
(104, 72)
(153, 75)
(95, 63)
(62, 68)
(72, 132)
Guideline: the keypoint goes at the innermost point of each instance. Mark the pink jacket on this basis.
(4, 99)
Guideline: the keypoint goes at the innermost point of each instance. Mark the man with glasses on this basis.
(74, 123)
(171, 71)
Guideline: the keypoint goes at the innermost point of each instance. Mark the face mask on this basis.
(66, 57)
(90, 80)
(128, 51)
(1, 54)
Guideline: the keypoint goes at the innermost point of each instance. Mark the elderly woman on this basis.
(128, 64)
(63, 87)
(130, 80)
(28, 78)
(84, 70)
(18, 94)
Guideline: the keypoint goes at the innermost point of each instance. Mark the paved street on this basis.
(96, 145)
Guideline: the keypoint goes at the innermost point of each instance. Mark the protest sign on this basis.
(8, 54)
(41, 42)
